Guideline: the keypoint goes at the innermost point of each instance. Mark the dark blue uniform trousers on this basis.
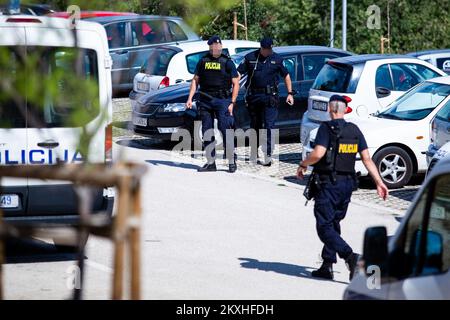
(330, 208)
(263, 110)
(217, 108)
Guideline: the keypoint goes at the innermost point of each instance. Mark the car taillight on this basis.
(108, 143)
(348, 100)
(164, 83)
(348, 110)
(20, 20)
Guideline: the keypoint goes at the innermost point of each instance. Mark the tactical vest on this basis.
(214, 76)
(341, 153)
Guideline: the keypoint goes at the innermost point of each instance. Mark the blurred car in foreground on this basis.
(414, 263)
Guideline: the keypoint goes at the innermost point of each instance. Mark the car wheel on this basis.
(198, 135)
(394, 166)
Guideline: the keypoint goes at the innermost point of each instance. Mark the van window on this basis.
(439, 223)
(193, 59)
(436, 257)
(336, 77)
(158, 61)
(12, 105)
(67, 92)
(116, 35)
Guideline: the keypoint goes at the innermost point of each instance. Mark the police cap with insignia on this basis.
(214, 39)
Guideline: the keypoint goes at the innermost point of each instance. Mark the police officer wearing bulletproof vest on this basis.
(216, 74)
(263, 68)
(336, 145)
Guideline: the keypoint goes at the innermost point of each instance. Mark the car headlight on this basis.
(174, 107)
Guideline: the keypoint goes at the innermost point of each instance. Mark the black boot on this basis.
(232, 168)
(352, 262)
(324, 272)
(208, 167)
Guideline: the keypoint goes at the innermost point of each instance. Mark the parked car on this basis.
(160, 113)
(438, 58)
(440, 136)
(39, 133)
(442, 153)
(131, 39)
(398, 137)
(371, 81)
(174, 64)
(414, 263)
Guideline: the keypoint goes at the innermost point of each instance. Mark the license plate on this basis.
(143, 86)
(142, 122)
(9, 201)
(319, 105)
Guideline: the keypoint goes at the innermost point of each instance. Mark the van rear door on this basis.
(13, 138)
(68, 103)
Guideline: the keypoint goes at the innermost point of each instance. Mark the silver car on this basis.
(413, 263)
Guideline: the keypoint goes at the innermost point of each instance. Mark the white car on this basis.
(371, 81)
(39, 133)
(439, 58)
(173, 64)
(398, 137)
(413, 264)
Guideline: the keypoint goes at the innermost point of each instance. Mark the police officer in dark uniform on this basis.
(216, 74)
(263, 68)
(336, 145)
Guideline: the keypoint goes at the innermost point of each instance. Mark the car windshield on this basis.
(334, 78)
(417, 103)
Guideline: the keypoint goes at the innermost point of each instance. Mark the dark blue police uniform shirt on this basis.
(323, 135)
(268, 70)
(230, 68)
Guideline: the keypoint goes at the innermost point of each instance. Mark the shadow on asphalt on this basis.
(34, 251)
(147, 144)
(282, 268)
(173, 164)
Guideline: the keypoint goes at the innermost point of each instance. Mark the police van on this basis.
(36, 130)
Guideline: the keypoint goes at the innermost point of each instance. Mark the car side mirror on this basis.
(382, 92)
(375, 247)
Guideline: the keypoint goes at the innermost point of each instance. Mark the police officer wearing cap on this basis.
(216, 74)
(263, 68)
(336, 145)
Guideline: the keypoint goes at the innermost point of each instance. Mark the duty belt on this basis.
(216, 93)
(265, 90)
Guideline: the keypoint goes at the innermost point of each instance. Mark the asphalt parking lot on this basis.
(287, 156)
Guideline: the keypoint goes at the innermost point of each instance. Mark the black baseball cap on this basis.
(214, 39)
(266, 43)
(337, 97)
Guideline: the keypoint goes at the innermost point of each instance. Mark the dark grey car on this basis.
(130, 39)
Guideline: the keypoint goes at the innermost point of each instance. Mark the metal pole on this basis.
(344, 24)
(245, 20)
(235, 25)
(332, 25)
